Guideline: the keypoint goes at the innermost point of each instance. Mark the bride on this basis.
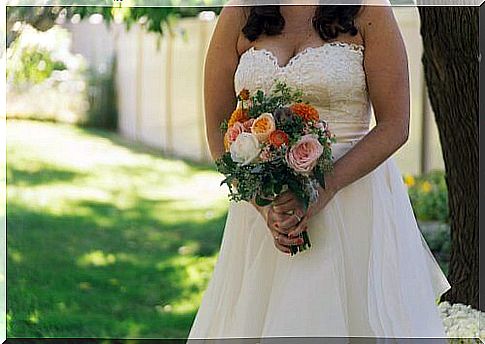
(369, 271)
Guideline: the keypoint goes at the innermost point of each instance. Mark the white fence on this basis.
(160, 94)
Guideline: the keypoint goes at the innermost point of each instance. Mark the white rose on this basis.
(245, 148)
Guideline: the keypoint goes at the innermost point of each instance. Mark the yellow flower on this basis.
(426, 186)
(409, 180)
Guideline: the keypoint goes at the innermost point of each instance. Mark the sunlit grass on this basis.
(105, 238)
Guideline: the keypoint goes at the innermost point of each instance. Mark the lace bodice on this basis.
(331, 77)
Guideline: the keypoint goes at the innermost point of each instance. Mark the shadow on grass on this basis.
(46, 175)
(69, 274)
(105, 254)
(139, 148)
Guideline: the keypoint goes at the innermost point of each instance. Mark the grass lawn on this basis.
(105, 238)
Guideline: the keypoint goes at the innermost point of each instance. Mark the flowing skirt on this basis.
(368, 273)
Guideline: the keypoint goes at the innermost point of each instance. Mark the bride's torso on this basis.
(331, 77)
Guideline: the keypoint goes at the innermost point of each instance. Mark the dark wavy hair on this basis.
(329, 21)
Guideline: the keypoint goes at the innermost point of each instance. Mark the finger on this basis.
(284, 197)
(282, 248)
(274, 226)
(278, 221)
(291, 221)
(302, 226)
(292, 204)
(285, 240)
(279, 231)
(280, 217)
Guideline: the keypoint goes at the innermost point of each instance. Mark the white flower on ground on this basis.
(462, 321)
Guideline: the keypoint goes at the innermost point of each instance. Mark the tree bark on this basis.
(451, 63)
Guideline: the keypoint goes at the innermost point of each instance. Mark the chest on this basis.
(326, 72)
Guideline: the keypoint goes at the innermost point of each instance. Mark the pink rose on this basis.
(265, 154)
(248, 124)
(303, 156)
(321, 125)
(234, 131)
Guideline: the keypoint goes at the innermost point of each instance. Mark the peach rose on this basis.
(303, 156)
(263, 126)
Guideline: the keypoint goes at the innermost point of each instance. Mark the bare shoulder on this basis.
(233, 15)
(232, 11)
(376, 19)
(382, 37)
(230, 22)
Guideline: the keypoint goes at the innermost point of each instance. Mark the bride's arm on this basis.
(386, 69)
(220, 65)
(220, 99)
(385, 64)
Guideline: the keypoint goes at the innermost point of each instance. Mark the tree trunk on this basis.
(451, 62)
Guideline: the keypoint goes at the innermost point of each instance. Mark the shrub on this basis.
(429, 196)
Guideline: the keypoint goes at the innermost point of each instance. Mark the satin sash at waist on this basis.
(346, 132)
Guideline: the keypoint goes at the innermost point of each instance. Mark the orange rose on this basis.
(263, 126)
(278, 137)
(307, 112)
(238, 115)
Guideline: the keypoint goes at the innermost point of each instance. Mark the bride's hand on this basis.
(289, 205)
(279, 234)
(324, 196)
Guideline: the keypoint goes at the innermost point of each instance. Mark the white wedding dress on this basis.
(369, 271)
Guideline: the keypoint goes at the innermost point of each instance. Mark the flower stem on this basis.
(300, 248)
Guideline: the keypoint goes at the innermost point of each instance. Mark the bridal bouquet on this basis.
(275, 142)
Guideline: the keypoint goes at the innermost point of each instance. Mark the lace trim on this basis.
(351, 46)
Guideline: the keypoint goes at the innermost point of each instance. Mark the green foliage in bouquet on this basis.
(281, 96)
(261, 182)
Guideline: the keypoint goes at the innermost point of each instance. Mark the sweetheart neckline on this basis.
(352, 46)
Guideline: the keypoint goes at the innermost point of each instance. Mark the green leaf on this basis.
(257, 169)
(227, 180)
(320, 176)
(277, 188)
(223, 126)
(226, 158)
(262, 202)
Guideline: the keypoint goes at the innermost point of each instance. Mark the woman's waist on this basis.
(340, 148)
(348, 132)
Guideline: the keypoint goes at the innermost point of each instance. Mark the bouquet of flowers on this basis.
(275, 142)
